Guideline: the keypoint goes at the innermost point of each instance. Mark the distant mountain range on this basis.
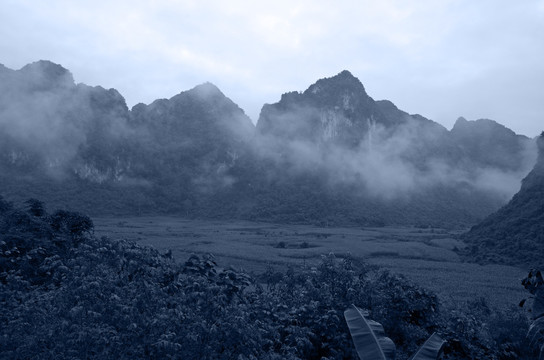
(329, 155)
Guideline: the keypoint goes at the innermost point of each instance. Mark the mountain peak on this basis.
(461, 121)
(207, 86)
(481, 126)
(342, 81)
(44, 74)
(204, 91)
(345, 74)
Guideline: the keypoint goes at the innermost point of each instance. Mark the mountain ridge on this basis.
(329, 154)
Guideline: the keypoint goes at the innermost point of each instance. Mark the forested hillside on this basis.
(515, 233)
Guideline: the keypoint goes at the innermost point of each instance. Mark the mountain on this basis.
(336, 110)
(484, 142)
(76, 145)
(328, 155)
(49, 125)
(197, 128)
(337, 149)
(188, 145)
(515, 233)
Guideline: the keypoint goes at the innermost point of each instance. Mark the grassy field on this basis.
(425, 256)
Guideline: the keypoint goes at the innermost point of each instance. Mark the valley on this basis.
(424, 255)
(326, 174)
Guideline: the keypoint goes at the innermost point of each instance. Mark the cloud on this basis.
(423, 55)
(388, 163)
(48, 123)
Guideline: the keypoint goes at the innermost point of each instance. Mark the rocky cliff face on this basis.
(333, 110)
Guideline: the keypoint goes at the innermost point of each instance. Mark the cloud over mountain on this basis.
(329, 153)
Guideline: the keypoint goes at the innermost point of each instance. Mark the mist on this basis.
(387, 162)
(48, 121)
(331, 152)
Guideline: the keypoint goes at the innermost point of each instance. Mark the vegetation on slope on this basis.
(514, 234)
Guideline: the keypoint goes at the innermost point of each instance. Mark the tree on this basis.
(35, 207)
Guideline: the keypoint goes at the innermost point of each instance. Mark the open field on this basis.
(425, 256)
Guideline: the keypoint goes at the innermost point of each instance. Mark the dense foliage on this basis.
(534, 283)
(66, 294)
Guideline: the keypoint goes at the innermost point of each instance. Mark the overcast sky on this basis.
(439, 58)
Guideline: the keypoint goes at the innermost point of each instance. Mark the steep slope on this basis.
(515, 233)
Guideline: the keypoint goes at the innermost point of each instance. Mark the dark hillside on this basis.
(515, 233)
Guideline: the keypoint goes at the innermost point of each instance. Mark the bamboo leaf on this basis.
(536, 330)
(368, 336)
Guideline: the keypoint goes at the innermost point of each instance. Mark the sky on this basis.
(439, 58)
